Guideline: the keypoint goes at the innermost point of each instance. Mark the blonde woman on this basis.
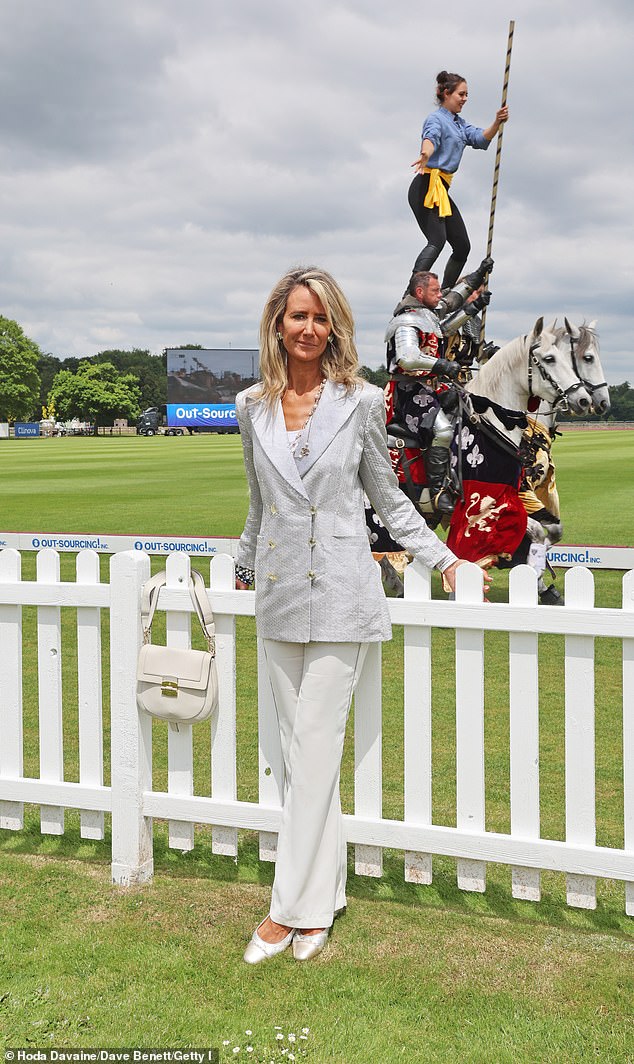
(313, 434)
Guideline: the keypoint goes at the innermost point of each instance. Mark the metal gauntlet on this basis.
(408, 354)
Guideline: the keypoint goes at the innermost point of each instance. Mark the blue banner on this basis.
(202, 415)
(24, 429)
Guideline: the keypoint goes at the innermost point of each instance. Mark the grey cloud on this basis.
(76, 79)
(165, 164)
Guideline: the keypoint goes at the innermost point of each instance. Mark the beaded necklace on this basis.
(295, 437)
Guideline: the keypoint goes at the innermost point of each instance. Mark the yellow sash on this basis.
(437, 193)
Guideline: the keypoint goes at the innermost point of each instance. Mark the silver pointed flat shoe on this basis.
(258, 950)
(307, 946)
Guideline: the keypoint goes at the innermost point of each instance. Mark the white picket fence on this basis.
(132, 802)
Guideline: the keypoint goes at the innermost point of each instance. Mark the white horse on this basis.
(545, 368)
(582, 344)
(529, 367)
(532, 367)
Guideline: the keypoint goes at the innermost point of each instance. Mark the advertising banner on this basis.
(201, 415)
(25, 429)
(202, 385)
(103, 543)
(561, 556)
(567, 555)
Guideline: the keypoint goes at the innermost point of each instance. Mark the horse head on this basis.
(551, 374)
(583, 344)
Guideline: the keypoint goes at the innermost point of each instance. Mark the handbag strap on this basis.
(200, 600)
(199, 597)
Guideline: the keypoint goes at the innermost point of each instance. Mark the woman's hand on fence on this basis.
(241, 586)
(449, 577)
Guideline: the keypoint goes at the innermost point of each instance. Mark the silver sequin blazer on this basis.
(305, 533)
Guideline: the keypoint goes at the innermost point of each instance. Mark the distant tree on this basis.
(379, 376)
(19, 379)
(150, 371)
(188, 347)
(622, 400)
(95, 393)
(48, 366)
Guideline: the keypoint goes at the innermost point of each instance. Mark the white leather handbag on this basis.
(179, 686)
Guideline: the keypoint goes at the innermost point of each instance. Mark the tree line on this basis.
(96, 389)
(120, 384)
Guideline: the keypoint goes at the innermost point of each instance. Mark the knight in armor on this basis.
(421, 402)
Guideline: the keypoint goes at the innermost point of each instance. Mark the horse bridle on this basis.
(562, 396)
(592, 388)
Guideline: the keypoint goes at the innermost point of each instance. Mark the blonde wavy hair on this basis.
(339, 362)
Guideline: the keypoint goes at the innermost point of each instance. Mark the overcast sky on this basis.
(163, 163)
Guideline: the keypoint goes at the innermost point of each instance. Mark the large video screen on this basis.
(202, 385)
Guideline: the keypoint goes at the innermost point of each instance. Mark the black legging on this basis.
(438, 231)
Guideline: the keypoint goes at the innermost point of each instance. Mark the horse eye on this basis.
(549, 359)
(588, 358)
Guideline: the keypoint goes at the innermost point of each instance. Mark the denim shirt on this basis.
(450, 135)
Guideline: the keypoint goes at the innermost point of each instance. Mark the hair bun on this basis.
(446, 83)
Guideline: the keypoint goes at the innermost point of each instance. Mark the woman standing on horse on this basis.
(445, 136)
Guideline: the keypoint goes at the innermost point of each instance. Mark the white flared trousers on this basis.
(312, 686)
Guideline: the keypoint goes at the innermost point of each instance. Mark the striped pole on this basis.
(498, 156)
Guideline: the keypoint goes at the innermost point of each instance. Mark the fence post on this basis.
(224, 782)
(180, 743)
(580, 753)
(11, 763)
(417, 722)
(470, 727)
(131, 732)
(628, 736)
(368, 754)
(524, 731)
(89, 685)
(49, 687)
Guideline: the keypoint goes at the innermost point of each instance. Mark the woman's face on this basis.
(305, 328)
(455, 101)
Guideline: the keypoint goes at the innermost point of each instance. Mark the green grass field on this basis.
(195, 485)
(411, 973)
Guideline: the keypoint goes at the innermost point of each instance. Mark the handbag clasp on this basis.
(169, 687)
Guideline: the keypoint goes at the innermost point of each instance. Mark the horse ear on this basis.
(572, 330)
(551, 328)
(538, 327)
(592, 324)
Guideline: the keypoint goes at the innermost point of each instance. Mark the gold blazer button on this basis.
(273, 576)
(311, 575)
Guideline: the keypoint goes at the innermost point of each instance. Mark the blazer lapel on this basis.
(333, 410)
(270, 428)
